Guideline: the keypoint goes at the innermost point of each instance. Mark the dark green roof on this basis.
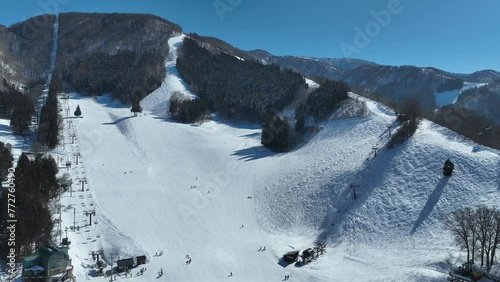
(31, 260)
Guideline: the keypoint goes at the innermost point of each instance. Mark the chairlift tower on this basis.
(83, 182)
(90, 214)
(76, 155)
(375, 148)
(353, 187)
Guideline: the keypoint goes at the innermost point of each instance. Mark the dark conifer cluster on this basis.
(127, 75)
(35, 185)
(233, 87)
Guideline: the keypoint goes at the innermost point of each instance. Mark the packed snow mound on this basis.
(159, 100)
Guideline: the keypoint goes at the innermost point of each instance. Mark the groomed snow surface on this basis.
(157, 185)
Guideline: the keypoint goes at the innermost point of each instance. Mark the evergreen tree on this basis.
(48, 128)
(300, 124)
(324, 99)
(78, 112)
(186, 110)
(448, 168)
(5, 160)
(22, 113)
(300, 117)
(136, 108)
(275, 134)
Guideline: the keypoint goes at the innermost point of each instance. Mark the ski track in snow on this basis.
(126, 128)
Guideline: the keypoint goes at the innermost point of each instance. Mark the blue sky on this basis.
(455, 35)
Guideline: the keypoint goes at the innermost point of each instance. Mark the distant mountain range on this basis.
(25, 50)
(389, 84)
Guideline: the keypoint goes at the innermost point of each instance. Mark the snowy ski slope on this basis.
(157, 185)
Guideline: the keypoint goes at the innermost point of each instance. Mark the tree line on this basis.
(16, 106)
(186, 110)
(320, 103)
(36, 185)
(236, 88)
(129, 76)
(469, 124)
(50, 121)
(326, 98)
(409, 117)
(248, 90)
(477, 230)
(6, 160)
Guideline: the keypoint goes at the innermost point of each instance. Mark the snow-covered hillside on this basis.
(212, 192)
(450, 97)
(157, 185)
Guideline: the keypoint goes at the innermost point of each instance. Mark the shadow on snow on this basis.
(254, 153)
(431, 203)
(117, 121)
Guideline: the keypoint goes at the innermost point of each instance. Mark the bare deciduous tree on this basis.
(476, 228)
(458, 224)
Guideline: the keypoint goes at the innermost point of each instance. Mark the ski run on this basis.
(209, 203)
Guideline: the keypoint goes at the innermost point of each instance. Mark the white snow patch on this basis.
(15, 141)
(241, 59)
(312, 84)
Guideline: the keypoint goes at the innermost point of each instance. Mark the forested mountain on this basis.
(484, 101)
(122, 54)
(25, 49)
(390, 84)
(483, 76)
(96, 53)
(234, 87)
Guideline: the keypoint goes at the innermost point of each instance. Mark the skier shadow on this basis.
(431, 203)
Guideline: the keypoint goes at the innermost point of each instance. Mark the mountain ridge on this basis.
(84, 33)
